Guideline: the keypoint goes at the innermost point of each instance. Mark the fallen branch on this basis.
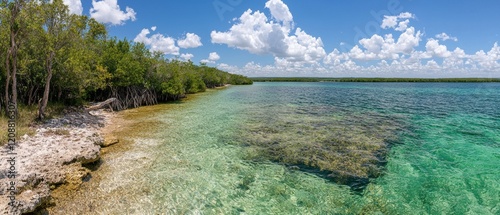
(102, 104)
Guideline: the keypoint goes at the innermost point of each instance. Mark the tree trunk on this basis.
(11, 59)
(45, 98)
(32, 95)
(7, 81)
(59, 94)
(14, 76)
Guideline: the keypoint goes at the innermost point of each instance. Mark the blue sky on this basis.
(328, 38)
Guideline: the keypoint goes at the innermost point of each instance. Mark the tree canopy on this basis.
(48, 54)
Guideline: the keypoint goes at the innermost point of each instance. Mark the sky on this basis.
(322, 38)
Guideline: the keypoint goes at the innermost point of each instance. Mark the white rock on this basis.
(47, 159)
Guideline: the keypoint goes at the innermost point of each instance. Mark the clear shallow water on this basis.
(199, 158)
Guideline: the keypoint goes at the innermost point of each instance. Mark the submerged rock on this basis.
(348, 149)
(356, 182)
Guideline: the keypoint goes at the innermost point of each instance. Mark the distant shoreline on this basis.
(311, 79)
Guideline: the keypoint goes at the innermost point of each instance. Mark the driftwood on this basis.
(102, 105)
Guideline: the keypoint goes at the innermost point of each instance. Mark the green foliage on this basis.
(128, 72)
(173, 85)
(193, 82)
(85, 64)
(239, 80)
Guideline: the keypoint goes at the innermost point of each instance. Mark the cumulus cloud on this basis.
(399, 22)
(403, 51)
(108, 11)
(191, 41)
(212, 58)
(381, 48)
(253, 33)
(335, 57)
(436, 50)
(401, 57)
(187, 56)
(168, 45)
(454, 63)
(157, 42)
(488, 59)
(256, 33)
(459, 53)
(443, 36)
(416, 64)
(279, 11)
(75, 6)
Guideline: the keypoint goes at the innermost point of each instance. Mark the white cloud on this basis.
(399, 52)
(408, 40)
(416, 64)
(255, 33)
(335, 57)
(443, 36)
(389, 22)
(143, 37)
(374, 44)
(436, 50)
(75, 6)
(489, 60)
(167, 45)
(157, 42)
(403, 25)
(108, 11)
(212, 58)
(279, 11)
(187, 56)
(456, 61)
(380, 48)
(304, 47)
(399, 23)
(191, 41)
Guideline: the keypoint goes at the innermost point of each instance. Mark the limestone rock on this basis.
(96, 139)
(47, 160)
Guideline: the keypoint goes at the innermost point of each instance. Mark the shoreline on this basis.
(60, 155)
(59, 160)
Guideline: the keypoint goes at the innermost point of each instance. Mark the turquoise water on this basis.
(437, 152)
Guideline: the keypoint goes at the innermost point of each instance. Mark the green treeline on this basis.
(48, 54)
(311, 79)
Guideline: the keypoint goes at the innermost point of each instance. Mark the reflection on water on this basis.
(222, 152)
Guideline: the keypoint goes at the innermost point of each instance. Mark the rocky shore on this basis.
(61, 153)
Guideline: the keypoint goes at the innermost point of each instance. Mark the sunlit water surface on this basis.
(187, 158)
